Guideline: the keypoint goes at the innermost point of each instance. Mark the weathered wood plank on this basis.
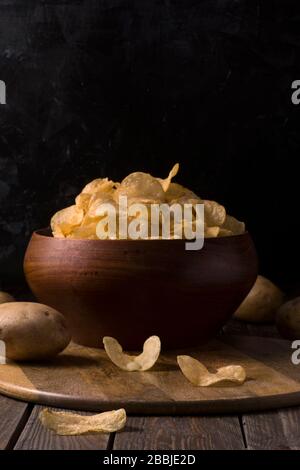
(180, 433)
(13, 416)
(36, 437)
(274, 430)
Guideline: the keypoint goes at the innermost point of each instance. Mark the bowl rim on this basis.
(47, 234)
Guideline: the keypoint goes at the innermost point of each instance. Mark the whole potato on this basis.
(261, 303)
(288, 319)
(5, 297)
(32, 331)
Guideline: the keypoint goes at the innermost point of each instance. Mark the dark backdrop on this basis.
(105, 87)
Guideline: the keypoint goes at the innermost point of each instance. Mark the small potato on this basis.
(261, 303)
(288, 319)
(32, 331)
(5, 297)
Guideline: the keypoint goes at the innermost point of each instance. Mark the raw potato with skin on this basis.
(261, 303)
(72, 424)
(32, 331)
(199, 375)
(5, 297)
(288, 319)
(143, 361)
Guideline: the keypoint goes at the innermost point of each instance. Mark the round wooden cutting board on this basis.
(85, 379)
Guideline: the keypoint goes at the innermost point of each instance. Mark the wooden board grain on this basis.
(84, 378)
(13, 416)
(180, 432)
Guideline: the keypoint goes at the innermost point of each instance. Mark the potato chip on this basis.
(223, 232)
(85, 231)
(65, 220)
(72, 424)
(166, 182)
(102, 185)
(211, 232)
(214, 213)
(140, 185)
(176, 191)
(96, 204)
(198, 374)
(143, 361)
(234, 225)
(82, 201)
(78, 221)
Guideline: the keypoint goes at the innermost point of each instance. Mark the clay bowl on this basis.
(134, 289)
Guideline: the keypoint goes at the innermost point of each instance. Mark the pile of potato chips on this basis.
(80, 220)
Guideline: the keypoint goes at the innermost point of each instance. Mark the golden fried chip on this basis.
(82, 201)
(198, 374)
(84, 231)
(234, 225)
(65, 220)
(72, 424)
(141, 185)
(223, 232)
(166, 182)
(140, 188)
(143, 361)
(214, 213)
(175, 192)
(102, 185)
(97, 203)
(211, 232)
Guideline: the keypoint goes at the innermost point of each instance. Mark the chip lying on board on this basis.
(72, 424)
(80, 220)
(143, 361)
(198, 374)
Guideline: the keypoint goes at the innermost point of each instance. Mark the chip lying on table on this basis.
(87, 218)
(72, 424)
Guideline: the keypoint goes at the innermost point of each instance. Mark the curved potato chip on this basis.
(214, 213)
(65, 220)
(176, 191)
(96, 204)
(188, 200)
(84, 231)
(166, 182)
(72, 424)
(211, 232)
(234, 225)
(198, 374)
(78, 221)
(143, 361)
(140, 185)
(223, 232)
(102, 185)
(82, 201)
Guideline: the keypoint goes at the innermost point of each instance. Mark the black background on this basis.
(102, 88)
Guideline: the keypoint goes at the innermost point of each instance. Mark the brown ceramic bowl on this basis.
(134, 289)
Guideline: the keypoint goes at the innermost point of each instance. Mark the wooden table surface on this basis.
(279, 429)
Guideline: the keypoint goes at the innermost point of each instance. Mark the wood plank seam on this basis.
(111, 441)
(19, 428)
(240, 418)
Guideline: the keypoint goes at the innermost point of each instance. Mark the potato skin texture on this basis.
(261, 303)
(5, 297)
(32, 331)
(288, 319)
